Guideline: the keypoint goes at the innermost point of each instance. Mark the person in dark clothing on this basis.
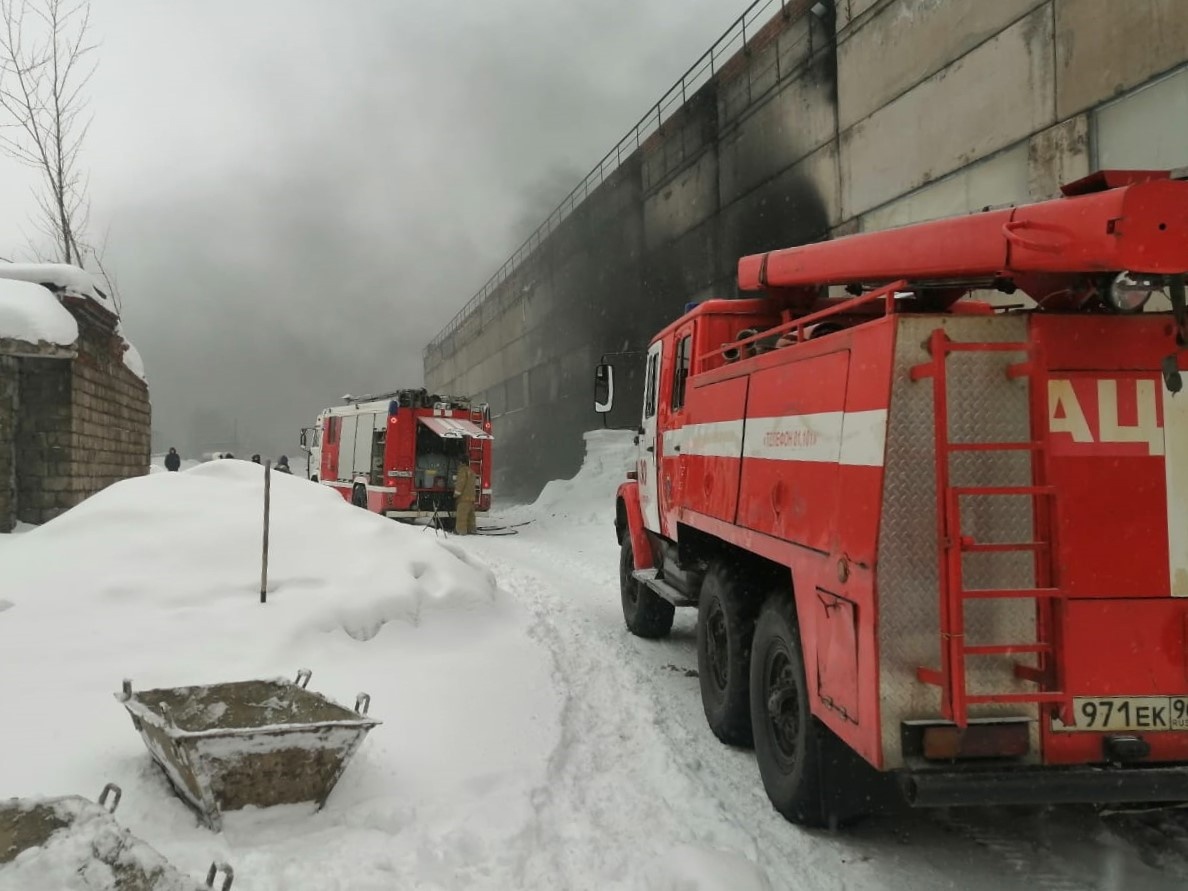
(282, 465)
(173, 460)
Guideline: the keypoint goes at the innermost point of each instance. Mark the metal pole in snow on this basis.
(267, 504)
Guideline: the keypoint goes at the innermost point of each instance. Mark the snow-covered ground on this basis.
(528, 740)
(157, 579)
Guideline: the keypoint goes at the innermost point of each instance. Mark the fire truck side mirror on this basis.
(304, 439)
(604, 388)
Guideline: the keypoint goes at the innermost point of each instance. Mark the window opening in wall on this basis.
(1145, 128)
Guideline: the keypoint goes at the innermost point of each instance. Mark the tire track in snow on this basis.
(1159, 835)
(666, 777)
(611, 789)
(1027, 857)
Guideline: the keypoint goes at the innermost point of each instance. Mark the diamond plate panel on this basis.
(984, 406)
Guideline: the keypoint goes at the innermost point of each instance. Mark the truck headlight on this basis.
(1130, 291)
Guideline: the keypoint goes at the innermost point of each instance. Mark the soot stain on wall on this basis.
(609, 277)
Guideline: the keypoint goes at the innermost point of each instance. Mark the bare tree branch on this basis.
(46, 64)
(110, 285)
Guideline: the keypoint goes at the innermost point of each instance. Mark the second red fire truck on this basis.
(397, 454)
(928, 490)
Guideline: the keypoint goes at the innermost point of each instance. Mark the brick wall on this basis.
(110, 417)
(43, 439)
(69, 428)
(8, 392)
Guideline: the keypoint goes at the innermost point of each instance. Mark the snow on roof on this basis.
(132, 356)
(61, 276)
(133, 360)
(31, 313)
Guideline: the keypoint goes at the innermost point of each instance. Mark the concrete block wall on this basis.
(881, 113)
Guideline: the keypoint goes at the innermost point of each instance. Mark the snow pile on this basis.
(589, 497)
(31, 313)
(157, 579)
(134, 546)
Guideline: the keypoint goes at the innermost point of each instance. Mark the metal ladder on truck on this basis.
(1048, 676)
(478, 417)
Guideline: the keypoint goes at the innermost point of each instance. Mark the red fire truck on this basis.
(928, 491)
(397, 454)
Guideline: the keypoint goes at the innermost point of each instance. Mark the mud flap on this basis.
(852, 789)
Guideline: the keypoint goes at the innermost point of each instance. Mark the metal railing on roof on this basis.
(733, 40)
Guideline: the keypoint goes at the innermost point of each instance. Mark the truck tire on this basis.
(725, 625)
(788, 739)
(647, 613)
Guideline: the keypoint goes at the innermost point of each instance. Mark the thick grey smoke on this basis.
(299, 195)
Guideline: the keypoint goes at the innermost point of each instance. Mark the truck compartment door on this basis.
(837, 654)
(791, 449)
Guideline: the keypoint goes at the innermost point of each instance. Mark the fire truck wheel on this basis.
(725, 624)
(787, 738)
(359, 496)
(646, 612)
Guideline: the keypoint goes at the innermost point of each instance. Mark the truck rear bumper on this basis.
(1045, 785)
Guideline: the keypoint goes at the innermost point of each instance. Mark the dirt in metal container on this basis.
(227, 746)
(69, 843)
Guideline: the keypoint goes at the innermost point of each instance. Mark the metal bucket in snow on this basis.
(227, 746)
(56, 839)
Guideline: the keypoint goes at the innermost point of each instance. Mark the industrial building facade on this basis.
(812, 120)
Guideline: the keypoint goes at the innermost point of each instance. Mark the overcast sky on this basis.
(300, 194)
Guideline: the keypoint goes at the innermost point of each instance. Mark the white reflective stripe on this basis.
(814, 437)
(1175, 463)
(864, 438)
(719, 439)
(855, 438)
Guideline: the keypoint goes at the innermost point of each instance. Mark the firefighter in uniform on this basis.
(464, 500)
